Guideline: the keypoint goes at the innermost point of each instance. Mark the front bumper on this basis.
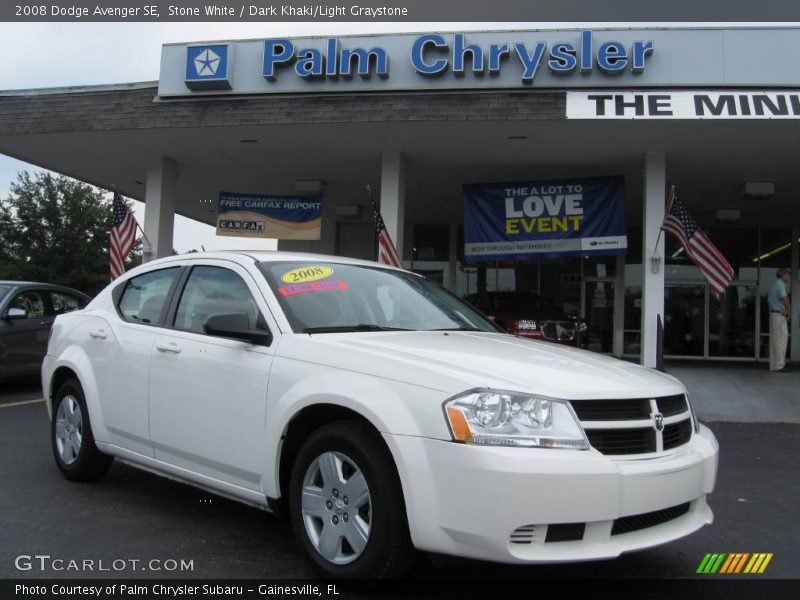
(467, 500)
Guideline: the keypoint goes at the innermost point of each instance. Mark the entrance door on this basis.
(598, 311)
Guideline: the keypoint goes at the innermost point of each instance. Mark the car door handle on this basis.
(99, 334)
(168, 347)
(46, 323)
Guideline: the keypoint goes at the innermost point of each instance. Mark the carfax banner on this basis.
(279, 217)
(545, 219)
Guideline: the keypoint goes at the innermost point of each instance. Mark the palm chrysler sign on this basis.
(690, 58)
(343, 62)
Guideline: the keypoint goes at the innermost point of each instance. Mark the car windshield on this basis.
(4, 289)
(331, 297)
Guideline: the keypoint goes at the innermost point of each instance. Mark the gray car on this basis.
(27, 311)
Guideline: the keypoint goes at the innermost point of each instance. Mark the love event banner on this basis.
(278, 217)
(545, 219)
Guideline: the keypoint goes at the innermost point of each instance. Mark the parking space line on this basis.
(22, 403)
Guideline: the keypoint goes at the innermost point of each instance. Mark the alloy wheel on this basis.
(336, 507)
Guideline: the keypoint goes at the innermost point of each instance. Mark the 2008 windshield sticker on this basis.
(306, 274)
(313, 286)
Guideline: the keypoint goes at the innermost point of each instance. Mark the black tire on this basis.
(89, 464)
(389, 552)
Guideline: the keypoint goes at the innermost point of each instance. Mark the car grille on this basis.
(672, 405)
(622, 441)
(651, 519)
(677, 434)
(611, 410)
(560, 331)
(635, 425)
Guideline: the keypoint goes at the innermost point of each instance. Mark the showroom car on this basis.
(27, 311)
(381, 413)
(530, 316)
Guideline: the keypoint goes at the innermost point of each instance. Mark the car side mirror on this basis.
(16, 313)
(236, 326)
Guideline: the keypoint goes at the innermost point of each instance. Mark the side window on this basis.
(144, 296)
(31, 302)
(214, 291)
(64, 303)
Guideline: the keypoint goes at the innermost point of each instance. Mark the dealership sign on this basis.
(708, 104)
(279, 217)
(545, 219)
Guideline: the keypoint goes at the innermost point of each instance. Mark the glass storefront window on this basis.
(731, 324)
(684, 319)
(632, 328)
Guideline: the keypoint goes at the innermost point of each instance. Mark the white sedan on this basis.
(377, 410)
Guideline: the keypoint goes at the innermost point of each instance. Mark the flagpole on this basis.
(373, 207)
(139, 227)
(669, 207)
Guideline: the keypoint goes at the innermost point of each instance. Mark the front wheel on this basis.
(346, 503)
(73, 442)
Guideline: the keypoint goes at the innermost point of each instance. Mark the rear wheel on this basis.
(346, 503)
(73, 442)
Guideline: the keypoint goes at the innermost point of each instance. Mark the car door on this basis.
(119, 348)
(25, 334)
(208, 394)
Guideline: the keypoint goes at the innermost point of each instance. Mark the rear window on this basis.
(144, 296)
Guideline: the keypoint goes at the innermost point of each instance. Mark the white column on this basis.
(618, 346)
(159, 214)
(393, 197)
(794, 325)
(652, 283)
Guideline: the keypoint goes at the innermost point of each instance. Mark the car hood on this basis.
(455, 361)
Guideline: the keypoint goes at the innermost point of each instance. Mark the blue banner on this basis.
(279, 217)
(545, 219)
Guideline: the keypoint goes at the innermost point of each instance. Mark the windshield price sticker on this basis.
(306, 274)
(305, 288)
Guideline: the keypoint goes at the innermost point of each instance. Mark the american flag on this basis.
(387, 254)
(123, 236)
(698, 247)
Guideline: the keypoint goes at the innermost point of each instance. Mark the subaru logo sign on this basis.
(207, 67)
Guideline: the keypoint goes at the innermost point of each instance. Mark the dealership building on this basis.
(419, 120)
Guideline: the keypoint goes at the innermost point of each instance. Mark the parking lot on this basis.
(135, 516)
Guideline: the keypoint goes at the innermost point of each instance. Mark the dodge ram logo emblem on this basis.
(658, 421)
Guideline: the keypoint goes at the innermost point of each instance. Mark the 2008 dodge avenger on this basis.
(380, 412)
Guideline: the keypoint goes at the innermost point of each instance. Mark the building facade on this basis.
(410, 119)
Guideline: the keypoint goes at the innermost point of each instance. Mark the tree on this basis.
(55, 229)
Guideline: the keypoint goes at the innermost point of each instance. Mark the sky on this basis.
(68, 54)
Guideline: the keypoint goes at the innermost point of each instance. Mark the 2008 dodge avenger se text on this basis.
(379, 411)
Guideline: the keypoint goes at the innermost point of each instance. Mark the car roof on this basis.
(273, 256)
(37, 284)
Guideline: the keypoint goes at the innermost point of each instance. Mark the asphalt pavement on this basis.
(132, 516)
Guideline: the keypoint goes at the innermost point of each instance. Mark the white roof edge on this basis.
(77, 89)
(273, 256)
(560, 27)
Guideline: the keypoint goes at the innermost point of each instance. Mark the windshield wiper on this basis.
(462, 328)
(351, 328)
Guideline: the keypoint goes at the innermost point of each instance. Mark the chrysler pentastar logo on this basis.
(206, 63)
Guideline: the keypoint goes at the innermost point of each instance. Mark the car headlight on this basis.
(497, 418)
(695, 420)
(526, 324)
